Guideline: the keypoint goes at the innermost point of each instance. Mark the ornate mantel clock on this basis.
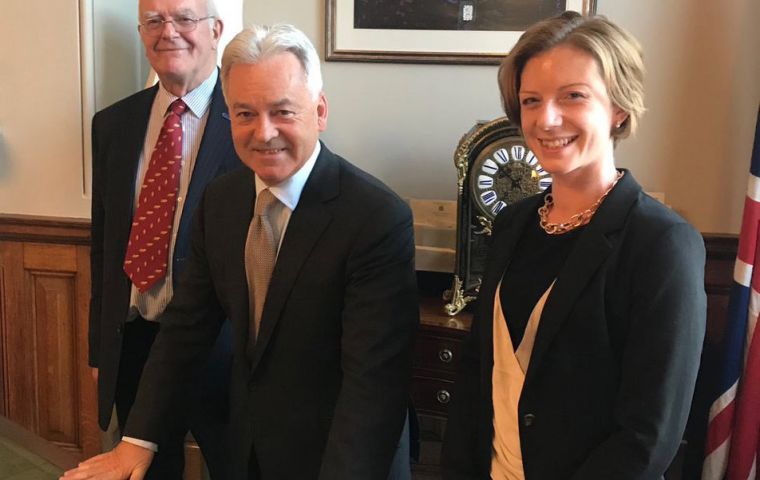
(494, 169)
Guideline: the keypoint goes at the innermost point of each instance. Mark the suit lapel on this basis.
(590, 252)
(214, 148)
(307, 223)
(500, 254)
(502, 248)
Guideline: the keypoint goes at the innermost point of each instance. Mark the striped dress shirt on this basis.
(151, 303)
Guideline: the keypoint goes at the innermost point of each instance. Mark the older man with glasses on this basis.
(153, 154)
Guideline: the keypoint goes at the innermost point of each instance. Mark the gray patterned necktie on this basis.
(260, 255)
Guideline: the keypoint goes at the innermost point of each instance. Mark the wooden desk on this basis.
(436, 356)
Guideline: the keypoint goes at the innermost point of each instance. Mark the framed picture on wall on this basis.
(434, 31)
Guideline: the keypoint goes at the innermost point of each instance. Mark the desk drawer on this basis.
(431, 395)
(437, 353)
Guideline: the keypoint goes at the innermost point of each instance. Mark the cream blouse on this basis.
(509, 367)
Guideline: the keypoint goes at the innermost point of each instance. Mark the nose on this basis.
(168, 30)
(264, 130)
(549, 116)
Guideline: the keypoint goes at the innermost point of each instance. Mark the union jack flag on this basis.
(733, 434)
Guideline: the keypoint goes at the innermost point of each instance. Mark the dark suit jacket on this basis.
(118, 135)
(611, 377)
(324, 394)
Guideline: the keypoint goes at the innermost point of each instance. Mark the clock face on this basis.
(504, 172)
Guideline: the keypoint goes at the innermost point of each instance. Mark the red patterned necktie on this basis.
(148, 250)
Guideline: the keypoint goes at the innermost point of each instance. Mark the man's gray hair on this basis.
(259, 42)
(211, 9)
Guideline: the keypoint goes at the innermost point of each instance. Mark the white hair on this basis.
(259, 42)
(211, 11)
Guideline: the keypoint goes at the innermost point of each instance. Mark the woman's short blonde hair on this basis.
(616, 51)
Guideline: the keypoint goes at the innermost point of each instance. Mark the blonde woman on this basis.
(586, 342)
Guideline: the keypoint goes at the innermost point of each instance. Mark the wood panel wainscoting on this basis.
(47, 388)
(46, 384)
(44, 299)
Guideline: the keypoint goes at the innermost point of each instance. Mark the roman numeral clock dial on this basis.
(503, 173)
(495, 169)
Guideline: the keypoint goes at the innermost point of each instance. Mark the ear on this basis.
(322, 112)
(216, 32)
(619, 116)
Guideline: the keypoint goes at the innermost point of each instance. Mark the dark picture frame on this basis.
(434, 31)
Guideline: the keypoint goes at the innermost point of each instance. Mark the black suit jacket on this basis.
(611, 377)
(118, 136)
(324, 393)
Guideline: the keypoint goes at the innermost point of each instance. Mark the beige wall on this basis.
(703, 94)
(41, 142)
(402, 122)
(118, 61)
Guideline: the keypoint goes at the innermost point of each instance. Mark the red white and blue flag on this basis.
(733, 433)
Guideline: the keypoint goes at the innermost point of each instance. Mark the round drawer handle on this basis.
(443, 396)
(446, 355)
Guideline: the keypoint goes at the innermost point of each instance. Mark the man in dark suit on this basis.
(180, 39)
(321, 348)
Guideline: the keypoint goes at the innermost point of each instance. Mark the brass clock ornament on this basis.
(494, 169)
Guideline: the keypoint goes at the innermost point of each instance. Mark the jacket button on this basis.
(528, 419)
(443, 397)
(119, 330)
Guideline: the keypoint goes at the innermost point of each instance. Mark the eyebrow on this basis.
(279, 103)
(562, 87)
(182, 11)
(282, 102)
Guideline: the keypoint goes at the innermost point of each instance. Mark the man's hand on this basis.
(125, 461)
(94, 372)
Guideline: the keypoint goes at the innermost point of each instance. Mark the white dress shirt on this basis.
(288, 193)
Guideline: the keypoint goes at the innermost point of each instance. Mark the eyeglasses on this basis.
(153, 26)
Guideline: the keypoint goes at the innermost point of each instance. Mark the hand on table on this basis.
(125, 461)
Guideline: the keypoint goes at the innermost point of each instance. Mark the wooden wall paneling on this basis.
(51, 230)
(50, 283)
(88, 406)
(53, 318)
(18, 345)
(10, 308)
(44, 277)
(3, 373)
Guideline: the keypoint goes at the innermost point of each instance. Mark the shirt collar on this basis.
(289, 191)
(197, 100)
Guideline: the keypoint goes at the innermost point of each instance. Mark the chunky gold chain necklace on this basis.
(577, 220)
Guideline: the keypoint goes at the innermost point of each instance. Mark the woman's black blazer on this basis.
(612, 373)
